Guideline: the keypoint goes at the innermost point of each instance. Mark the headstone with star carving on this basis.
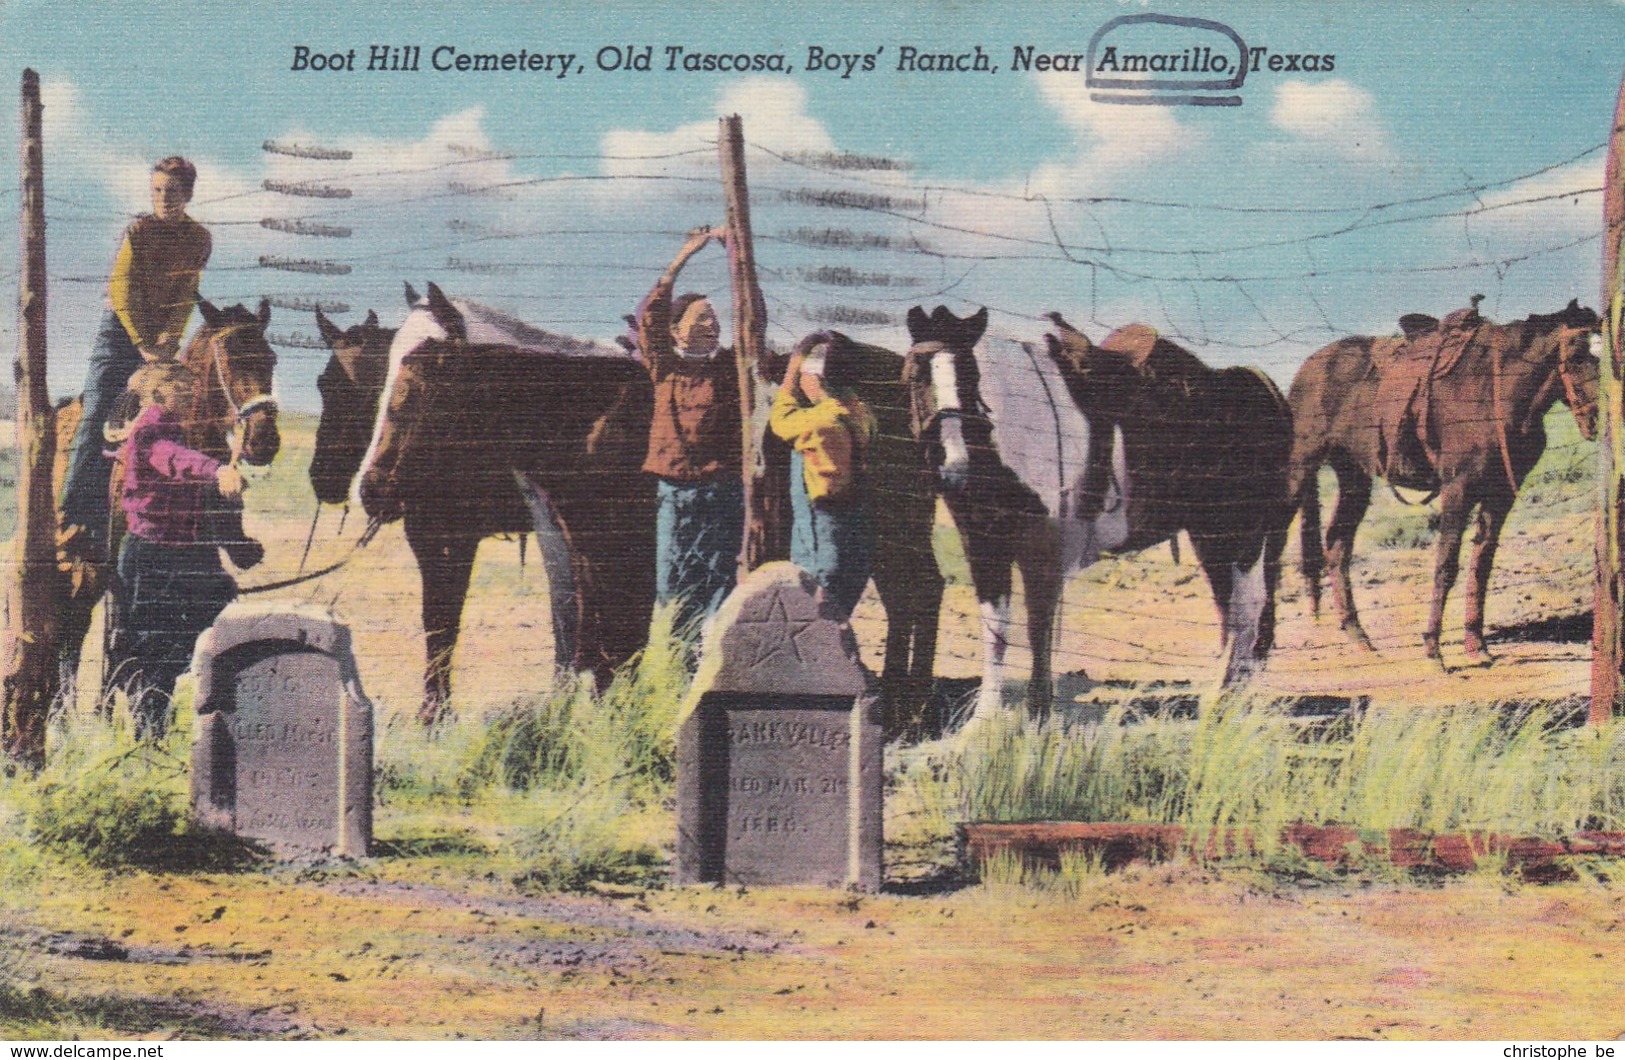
(779, 750)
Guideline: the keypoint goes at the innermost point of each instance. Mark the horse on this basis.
(1049, 462)
(1485, 417)
(476, 403)
(231, 365)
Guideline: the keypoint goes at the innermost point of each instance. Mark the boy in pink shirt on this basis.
(171, 584)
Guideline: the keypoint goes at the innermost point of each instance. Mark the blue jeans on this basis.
(167, 595)
(699, 531)
(834, 542)
(84, 493)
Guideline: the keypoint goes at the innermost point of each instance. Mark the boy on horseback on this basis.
(694, 444)
(150, 295)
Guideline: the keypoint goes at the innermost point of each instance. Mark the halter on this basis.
(216, 353)
(1571, 388)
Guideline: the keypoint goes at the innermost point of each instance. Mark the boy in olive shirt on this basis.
(149, 297)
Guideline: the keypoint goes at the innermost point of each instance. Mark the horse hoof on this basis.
(1357, 636)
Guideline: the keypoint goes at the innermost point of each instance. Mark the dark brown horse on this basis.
(231, 366)
(1049, 460)
(466, 420)
(1485, 417)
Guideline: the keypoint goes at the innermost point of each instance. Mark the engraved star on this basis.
(786, 636)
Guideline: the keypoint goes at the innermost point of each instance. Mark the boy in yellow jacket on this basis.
(830, 429)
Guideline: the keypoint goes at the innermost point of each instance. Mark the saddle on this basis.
(1407, 444)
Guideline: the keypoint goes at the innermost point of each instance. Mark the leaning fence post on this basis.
(767, 526)
(30, 677)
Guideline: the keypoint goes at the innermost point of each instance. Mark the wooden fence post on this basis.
(30, 675)
(1608, 635)
(766, 466)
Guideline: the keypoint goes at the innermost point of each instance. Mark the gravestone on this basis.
(779, 751)
(282, 749)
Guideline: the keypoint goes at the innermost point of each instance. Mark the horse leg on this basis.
(1304, 491)
(1454, 507)
(1041, 580)
(989, 544)
(1246, 639)
(1492, 514)
(911, 593)
(445, 562)
(1353, 498)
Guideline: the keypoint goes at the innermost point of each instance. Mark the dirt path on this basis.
(1151, 953)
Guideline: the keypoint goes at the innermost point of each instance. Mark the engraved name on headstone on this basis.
(283, 747)
(779, 752)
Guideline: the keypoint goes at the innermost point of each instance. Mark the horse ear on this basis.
(412, 298)
(918, 323)
(445, 314)
(264, 314)
(975, 327)
(371, 322)
(211, 316)
(329, 331)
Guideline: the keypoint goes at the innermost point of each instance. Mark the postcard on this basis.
(908, 520)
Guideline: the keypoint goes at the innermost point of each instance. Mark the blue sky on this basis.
(1327, 203)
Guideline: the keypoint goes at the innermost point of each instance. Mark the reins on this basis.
(373, 526)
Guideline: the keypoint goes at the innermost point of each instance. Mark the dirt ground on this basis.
(429, 939)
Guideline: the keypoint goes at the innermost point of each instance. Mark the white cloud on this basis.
(772, 110)
(1546, 205)
(1335, 115)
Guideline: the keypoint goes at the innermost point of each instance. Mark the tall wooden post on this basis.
(1608, 634)
(29, 676)
(767, 523)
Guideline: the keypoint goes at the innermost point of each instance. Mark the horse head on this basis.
(424, 357)
(1095, 374)
(1579, 362)
(943, 383)
(350, 386)
(234, 365)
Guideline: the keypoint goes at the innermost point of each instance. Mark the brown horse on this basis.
(1048, 463)
(231, 366)
(464, 420)
(351, 388)
(1485, 415)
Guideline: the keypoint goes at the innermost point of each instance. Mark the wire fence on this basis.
(851, 242)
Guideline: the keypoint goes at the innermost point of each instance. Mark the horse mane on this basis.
(487, 326)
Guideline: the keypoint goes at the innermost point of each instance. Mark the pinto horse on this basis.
(477, 403)
(1049, 462)
(1487, 414)
(231, 366)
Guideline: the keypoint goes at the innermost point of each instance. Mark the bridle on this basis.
(1583, 410)
(217, 353)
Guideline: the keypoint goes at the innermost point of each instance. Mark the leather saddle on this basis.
(1408, 446)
